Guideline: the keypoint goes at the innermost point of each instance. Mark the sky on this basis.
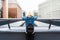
(29, 5)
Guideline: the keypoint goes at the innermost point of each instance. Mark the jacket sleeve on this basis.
(23, 18)
(35, 17)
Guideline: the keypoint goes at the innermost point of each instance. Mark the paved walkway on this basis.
(15, 27)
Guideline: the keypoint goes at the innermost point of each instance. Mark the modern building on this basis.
(49, 9)
(0, 8)
(3, 8)
(14, 10)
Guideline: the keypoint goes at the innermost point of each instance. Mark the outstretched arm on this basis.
(35, 17)
(23, 18)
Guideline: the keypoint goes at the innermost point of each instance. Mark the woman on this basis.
(29, 20)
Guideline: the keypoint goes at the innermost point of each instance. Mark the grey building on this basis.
(50, 9)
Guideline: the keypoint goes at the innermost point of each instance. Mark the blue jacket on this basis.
(29, 20)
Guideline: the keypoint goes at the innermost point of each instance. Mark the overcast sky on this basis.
(29, 5)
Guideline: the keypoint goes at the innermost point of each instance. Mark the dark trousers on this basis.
(29, 36)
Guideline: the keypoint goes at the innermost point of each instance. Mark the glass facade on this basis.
(0, 8)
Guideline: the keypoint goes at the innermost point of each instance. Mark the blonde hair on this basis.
(29, 14)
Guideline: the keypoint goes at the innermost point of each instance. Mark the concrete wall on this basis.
(47, 36)
(12, 36)
(22, 35)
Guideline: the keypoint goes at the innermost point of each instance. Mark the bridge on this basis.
(18, 33)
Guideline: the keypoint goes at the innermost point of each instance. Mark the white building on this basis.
(50, 9)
